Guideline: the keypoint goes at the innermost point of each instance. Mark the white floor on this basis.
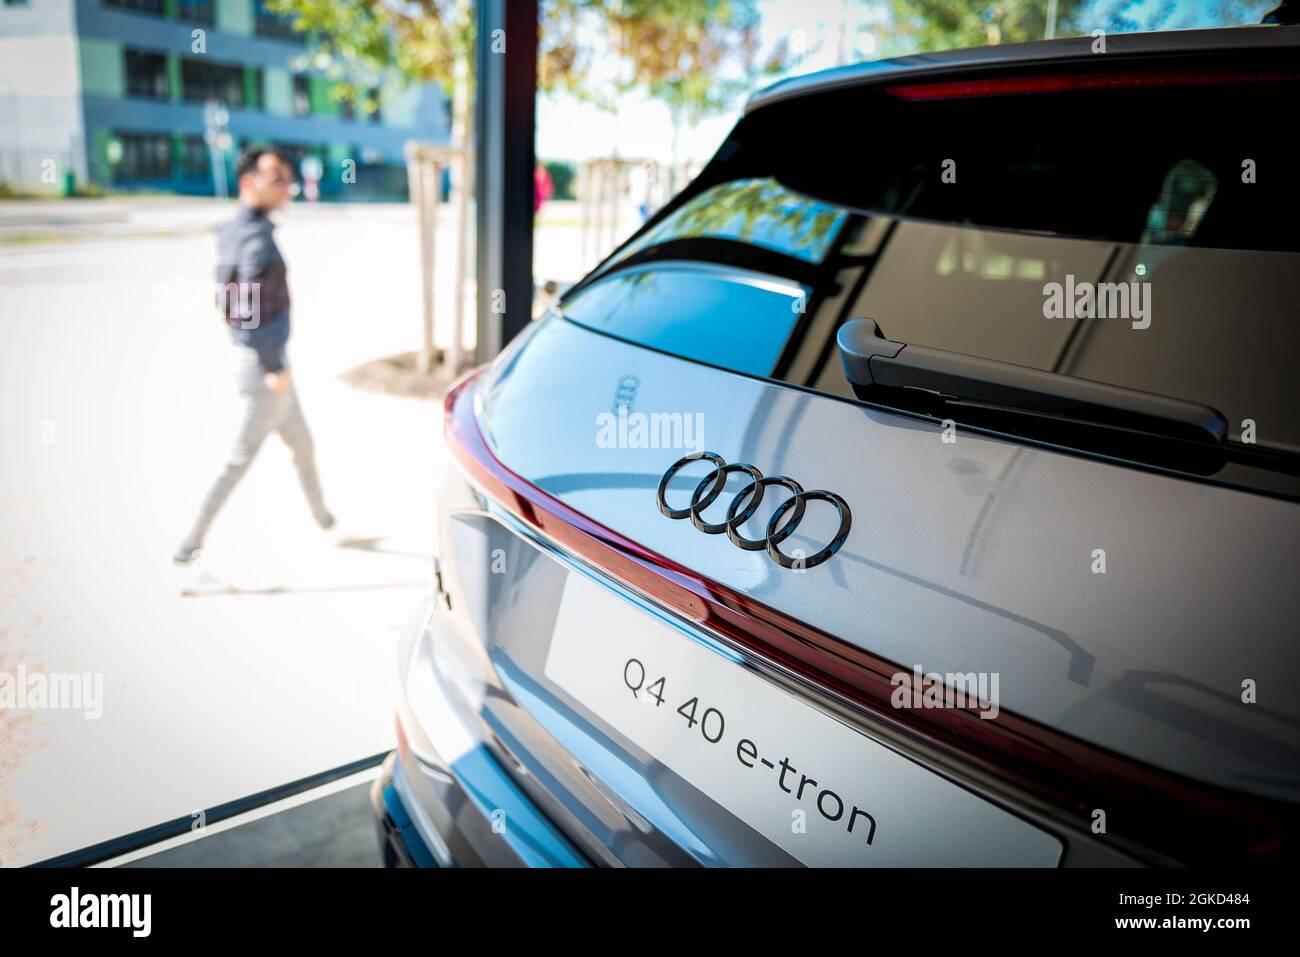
(115, 413)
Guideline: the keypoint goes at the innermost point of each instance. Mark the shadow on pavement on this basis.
(333, 831)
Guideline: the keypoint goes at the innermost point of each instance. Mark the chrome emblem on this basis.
(746, 503)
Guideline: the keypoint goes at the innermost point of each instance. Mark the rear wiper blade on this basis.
(871, 362)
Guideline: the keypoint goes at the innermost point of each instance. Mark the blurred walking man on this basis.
(253, 292)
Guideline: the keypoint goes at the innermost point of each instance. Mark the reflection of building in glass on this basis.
(113, 91)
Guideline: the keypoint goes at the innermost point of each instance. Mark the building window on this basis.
(146, 74)
(376, 115)
(270, 24)
(301, 96)
(146, 157)
(155, 7)
(202, 81)
(195, 159)
(196, 11)
(254, 84)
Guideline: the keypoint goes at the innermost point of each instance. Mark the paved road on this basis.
(116, 410)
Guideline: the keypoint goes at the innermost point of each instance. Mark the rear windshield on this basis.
(1146, 237)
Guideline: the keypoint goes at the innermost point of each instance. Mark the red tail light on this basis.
(1150, 808)
(1072, 82)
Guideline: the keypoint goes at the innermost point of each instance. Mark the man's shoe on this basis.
(336, 533)
(200, 581)
(339, 535)
(195, 579)
(187, 555)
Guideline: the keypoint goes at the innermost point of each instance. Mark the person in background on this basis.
(253, 295)
(640, 180)
(543, 188)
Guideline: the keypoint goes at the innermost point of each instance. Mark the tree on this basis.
(1118, 16)
(926, 25)
(695, 54)
(562, 176)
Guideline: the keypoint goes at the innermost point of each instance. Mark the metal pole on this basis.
(505, 123)
(215, 118)
(432, 204)
(582, 187)
(598, 171)
(460, 165)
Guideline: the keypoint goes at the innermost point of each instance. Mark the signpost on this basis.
(312, 171)
(215, 120)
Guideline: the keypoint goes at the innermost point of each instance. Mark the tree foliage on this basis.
(927, 25)
(695, 55)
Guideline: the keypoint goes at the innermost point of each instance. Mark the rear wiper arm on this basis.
(871, 361)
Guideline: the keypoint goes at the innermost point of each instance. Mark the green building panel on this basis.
(278, 89)
(235, 16)
(335, 154)
(103, 68)
(322, 104)
(399, 105)
(100, 170)
(252, 89)
(173, 78)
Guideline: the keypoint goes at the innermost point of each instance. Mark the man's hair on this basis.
(248, 160)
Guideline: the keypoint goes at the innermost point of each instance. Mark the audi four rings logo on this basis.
(746, 503)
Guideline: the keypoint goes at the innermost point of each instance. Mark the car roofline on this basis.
(1066, 50)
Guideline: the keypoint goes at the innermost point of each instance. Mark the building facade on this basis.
(118, 93)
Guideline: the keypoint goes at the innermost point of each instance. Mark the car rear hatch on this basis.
(1004, 636)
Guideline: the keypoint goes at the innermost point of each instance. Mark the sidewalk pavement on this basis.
(116, 411)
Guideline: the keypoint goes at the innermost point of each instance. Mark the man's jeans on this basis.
(264, 412)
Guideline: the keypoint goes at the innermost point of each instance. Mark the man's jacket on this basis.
(253, 286)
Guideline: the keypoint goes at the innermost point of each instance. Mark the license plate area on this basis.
(820, 790)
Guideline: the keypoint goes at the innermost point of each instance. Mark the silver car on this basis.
(919, 487)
